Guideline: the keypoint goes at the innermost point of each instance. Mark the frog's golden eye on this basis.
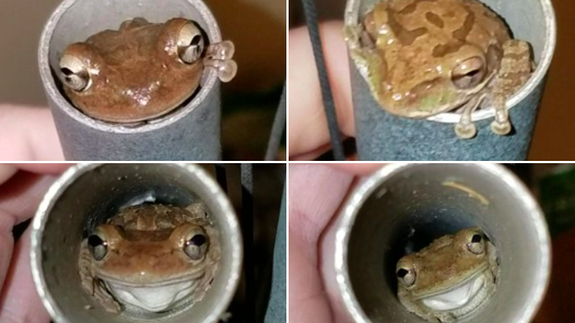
(406, 276)
(476, 244)
(98, 246)
(196, 245)
(74, 73)
(190, 43)
(468, 73)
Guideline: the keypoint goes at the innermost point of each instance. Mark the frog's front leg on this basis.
(219, 56)
(514, 72)
(93, 285)
(465, 129)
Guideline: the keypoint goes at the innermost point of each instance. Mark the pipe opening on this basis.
(99, 192)
(76, 20)
(420, 203)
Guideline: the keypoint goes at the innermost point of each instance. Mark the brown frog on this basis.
(450, 278)
(424, 57)
(150, 257)
(143, 70)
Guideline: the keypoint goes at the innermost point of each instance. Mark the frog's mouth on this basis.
(465, 297)
(153, 298)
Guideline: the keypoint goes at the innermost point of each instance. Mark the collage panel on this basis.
(415, 80)
(433, 242)
(180, 243)
(154, 156)
(127, 80)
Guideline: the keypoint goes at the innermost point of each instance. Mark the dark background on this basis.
(554, 187)
(258, 213)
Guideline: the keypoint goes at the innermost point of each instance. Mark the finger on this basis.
(44, 168)
(7, 171)
(6, 244)
(359, 169)
(22, 193)
(312, 154)
(19, 300)
(28, 133)
(315, 193)
(307, 122)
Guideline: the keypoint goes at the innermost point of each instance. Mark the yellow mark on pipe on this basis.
(472, 193)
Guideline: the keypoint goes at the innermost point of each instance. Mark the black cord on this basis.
(247, 223)
(277, 129)
(329, 105)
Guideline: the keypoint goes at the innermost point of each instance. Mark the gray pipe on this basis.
(406, 206)
(191, 132)
(382, 136)
(86, 195)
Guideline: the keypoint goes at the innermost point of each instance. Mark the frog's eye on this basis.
(190, 43)
(468, 73)
(196, 245)
(476, 244)
(406, 276)
(98, 246)
(74, 73)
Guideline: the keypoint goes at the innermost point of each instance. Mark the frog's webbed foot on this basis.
(94, 286)
(352, 35)
(465, 128)
(219, 57)
(104, 297)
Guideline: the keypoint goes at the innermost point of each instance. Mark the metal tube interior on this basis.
(415, 204)
(88, 194)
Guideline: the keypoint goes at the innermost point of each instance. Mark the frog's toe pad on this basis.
(465, 131)
(226, 69)
(501, 128)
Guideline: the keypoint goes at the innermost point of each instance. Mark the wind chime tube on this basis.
(403, 207)
(191, 132)
(85, 196)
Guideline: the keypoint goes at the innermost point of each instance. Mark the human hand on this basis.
(22, 187)
(308, 130)
(28, 133)
(315, 193)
